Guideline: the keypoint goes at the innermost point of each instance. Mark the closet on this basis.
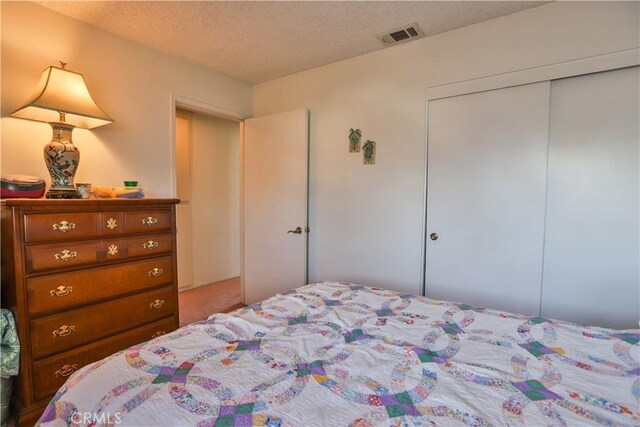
(533, 198)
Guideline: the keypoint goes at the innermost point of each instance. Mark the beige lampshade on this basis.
(63, 91)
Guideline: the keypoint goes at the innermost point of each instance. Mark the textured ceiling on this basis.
(263, 40)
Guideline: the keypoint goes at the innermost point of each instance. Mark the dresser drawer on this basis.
(135, 247)
(49, 374)
(149, 245)
(59, 332)
(64, 290)
(148, 221)
(62, 255)
(60, 226)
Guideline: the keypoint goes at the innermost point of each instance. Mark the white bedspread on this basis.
(335, 354)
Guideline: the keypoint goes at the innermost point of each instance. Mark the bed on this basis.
(338, 354)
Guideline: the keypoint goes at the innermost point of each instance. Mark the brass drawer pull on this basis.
(112, 223)
(157, 304)
(158, 334)
(156, 272)
(150, 221)
(64, 226)
(61, 291)
(113, 249)
(150, 245)
(66, 370)
(66, 255)
(64, 330)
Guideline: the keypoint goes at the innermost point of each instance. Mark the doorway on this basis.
(208, 216)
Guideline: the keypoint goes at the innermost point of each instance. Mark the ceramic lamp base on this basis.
(62, 159)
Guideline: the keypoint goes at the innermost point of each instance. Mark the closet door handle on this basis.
(434, 236)
(298, 230)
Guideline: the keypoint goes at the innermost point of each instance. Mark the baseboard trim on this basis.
(189, 288)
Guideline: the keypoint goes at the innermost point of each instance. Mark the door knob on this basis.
(434, 236)
(298, 230)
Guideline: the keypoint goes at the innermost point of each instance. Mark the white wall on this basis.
(366, 221)
(215, 199)
(129, 82)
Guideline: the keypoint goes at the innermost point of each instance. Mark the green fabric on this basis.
(9, 361)
(10, 354)
(5, 398)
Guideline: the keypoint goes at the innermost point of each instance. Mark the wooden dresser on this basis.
(84, 279)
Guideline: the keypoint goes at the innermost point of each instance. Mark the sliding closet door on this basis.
(487, 155)
(591, 257)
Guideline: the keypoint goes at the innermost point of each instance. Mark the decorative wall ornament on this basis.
(369, 153)
(354, 140)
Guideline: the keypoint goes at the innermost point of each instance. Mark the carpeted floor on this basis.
(201, 302)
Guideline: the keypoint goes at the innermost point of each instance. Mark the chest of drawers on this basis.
(84, 279)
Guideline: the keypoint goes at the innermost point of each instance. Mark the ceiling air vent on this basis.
(400, 35)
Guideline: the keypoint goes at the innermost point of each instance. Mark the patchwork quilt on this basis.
(337, 354)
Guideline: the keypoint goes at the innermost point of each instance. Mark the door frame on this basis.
(189, 104)
(572, 68)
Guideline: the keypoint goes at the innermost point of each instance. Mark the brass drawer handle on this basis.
(113, 249)
(112, 223)
(66, 370)
(64, 226)
(157, 304)
(156, 272)
(158, 334)
(150, 221)
(61, 291)
(64, 330)
(66, 255)
(150, 245)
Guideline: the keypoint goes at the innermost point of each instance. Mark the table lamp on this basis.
(63, 100)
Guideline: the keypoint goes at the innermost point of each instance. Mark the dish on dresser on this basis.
(127, 192)
(21, 186)
(84, 278)
(334, 354)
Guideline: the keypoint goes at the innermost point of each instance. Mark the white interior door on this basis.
(592, 256)
(487, 155)
(275, 202)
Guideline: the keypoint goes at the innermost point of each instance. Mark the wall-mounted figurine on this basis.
(369, 153)
(354, 140)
